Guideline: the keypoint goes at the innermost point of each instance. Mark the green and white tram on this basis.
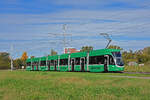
(93, 61)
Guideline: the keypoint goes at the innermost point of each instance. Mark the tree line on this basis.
(139, 56)
(5, 61)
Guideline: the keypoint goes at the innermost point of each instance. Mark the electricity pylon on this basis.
(64, 34)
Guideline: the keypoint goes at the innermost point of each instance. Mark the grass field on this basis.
(145, 68)
(23, 85)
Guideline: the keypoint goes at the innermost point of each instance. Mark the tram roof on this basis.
(102, 52)
(53, 57)
(75, 55)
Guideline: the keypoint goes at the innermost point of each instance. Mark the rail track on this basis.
(132, 72)
(137, 72)
(128, 76)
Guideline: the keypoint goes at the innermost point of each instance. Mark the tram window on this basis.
(111, 60)
(35, 63)
(91, 60)
(52, 63)
(48, 63)
(43, 63)
(72, 61)
(28, 63)
(55, 62)
(85, 60)
(63, 62)
(77, 61)
(96, 60)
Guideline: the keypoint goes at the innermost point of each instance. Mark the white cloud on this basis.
(30, 27)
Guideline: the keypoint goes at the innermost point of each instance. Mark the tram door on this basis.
(49, 65)
(37, 66)
(82, 64)
(33, 66)
(55, 64)
(72, 64)
(106, 63)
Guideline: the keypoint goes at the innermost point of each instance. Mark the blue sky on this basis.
(25, 24)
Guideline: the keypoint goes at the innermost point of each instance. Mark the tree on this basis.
(114, 47)
(24, 57)
(4, 60)
(53, 52)
(146, 51)
(32, 56)
(18, 63)
(139, 56)
(86, 48)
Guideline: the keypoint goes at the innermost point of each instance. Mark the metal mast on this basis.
(11, 53)
(64, 36)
